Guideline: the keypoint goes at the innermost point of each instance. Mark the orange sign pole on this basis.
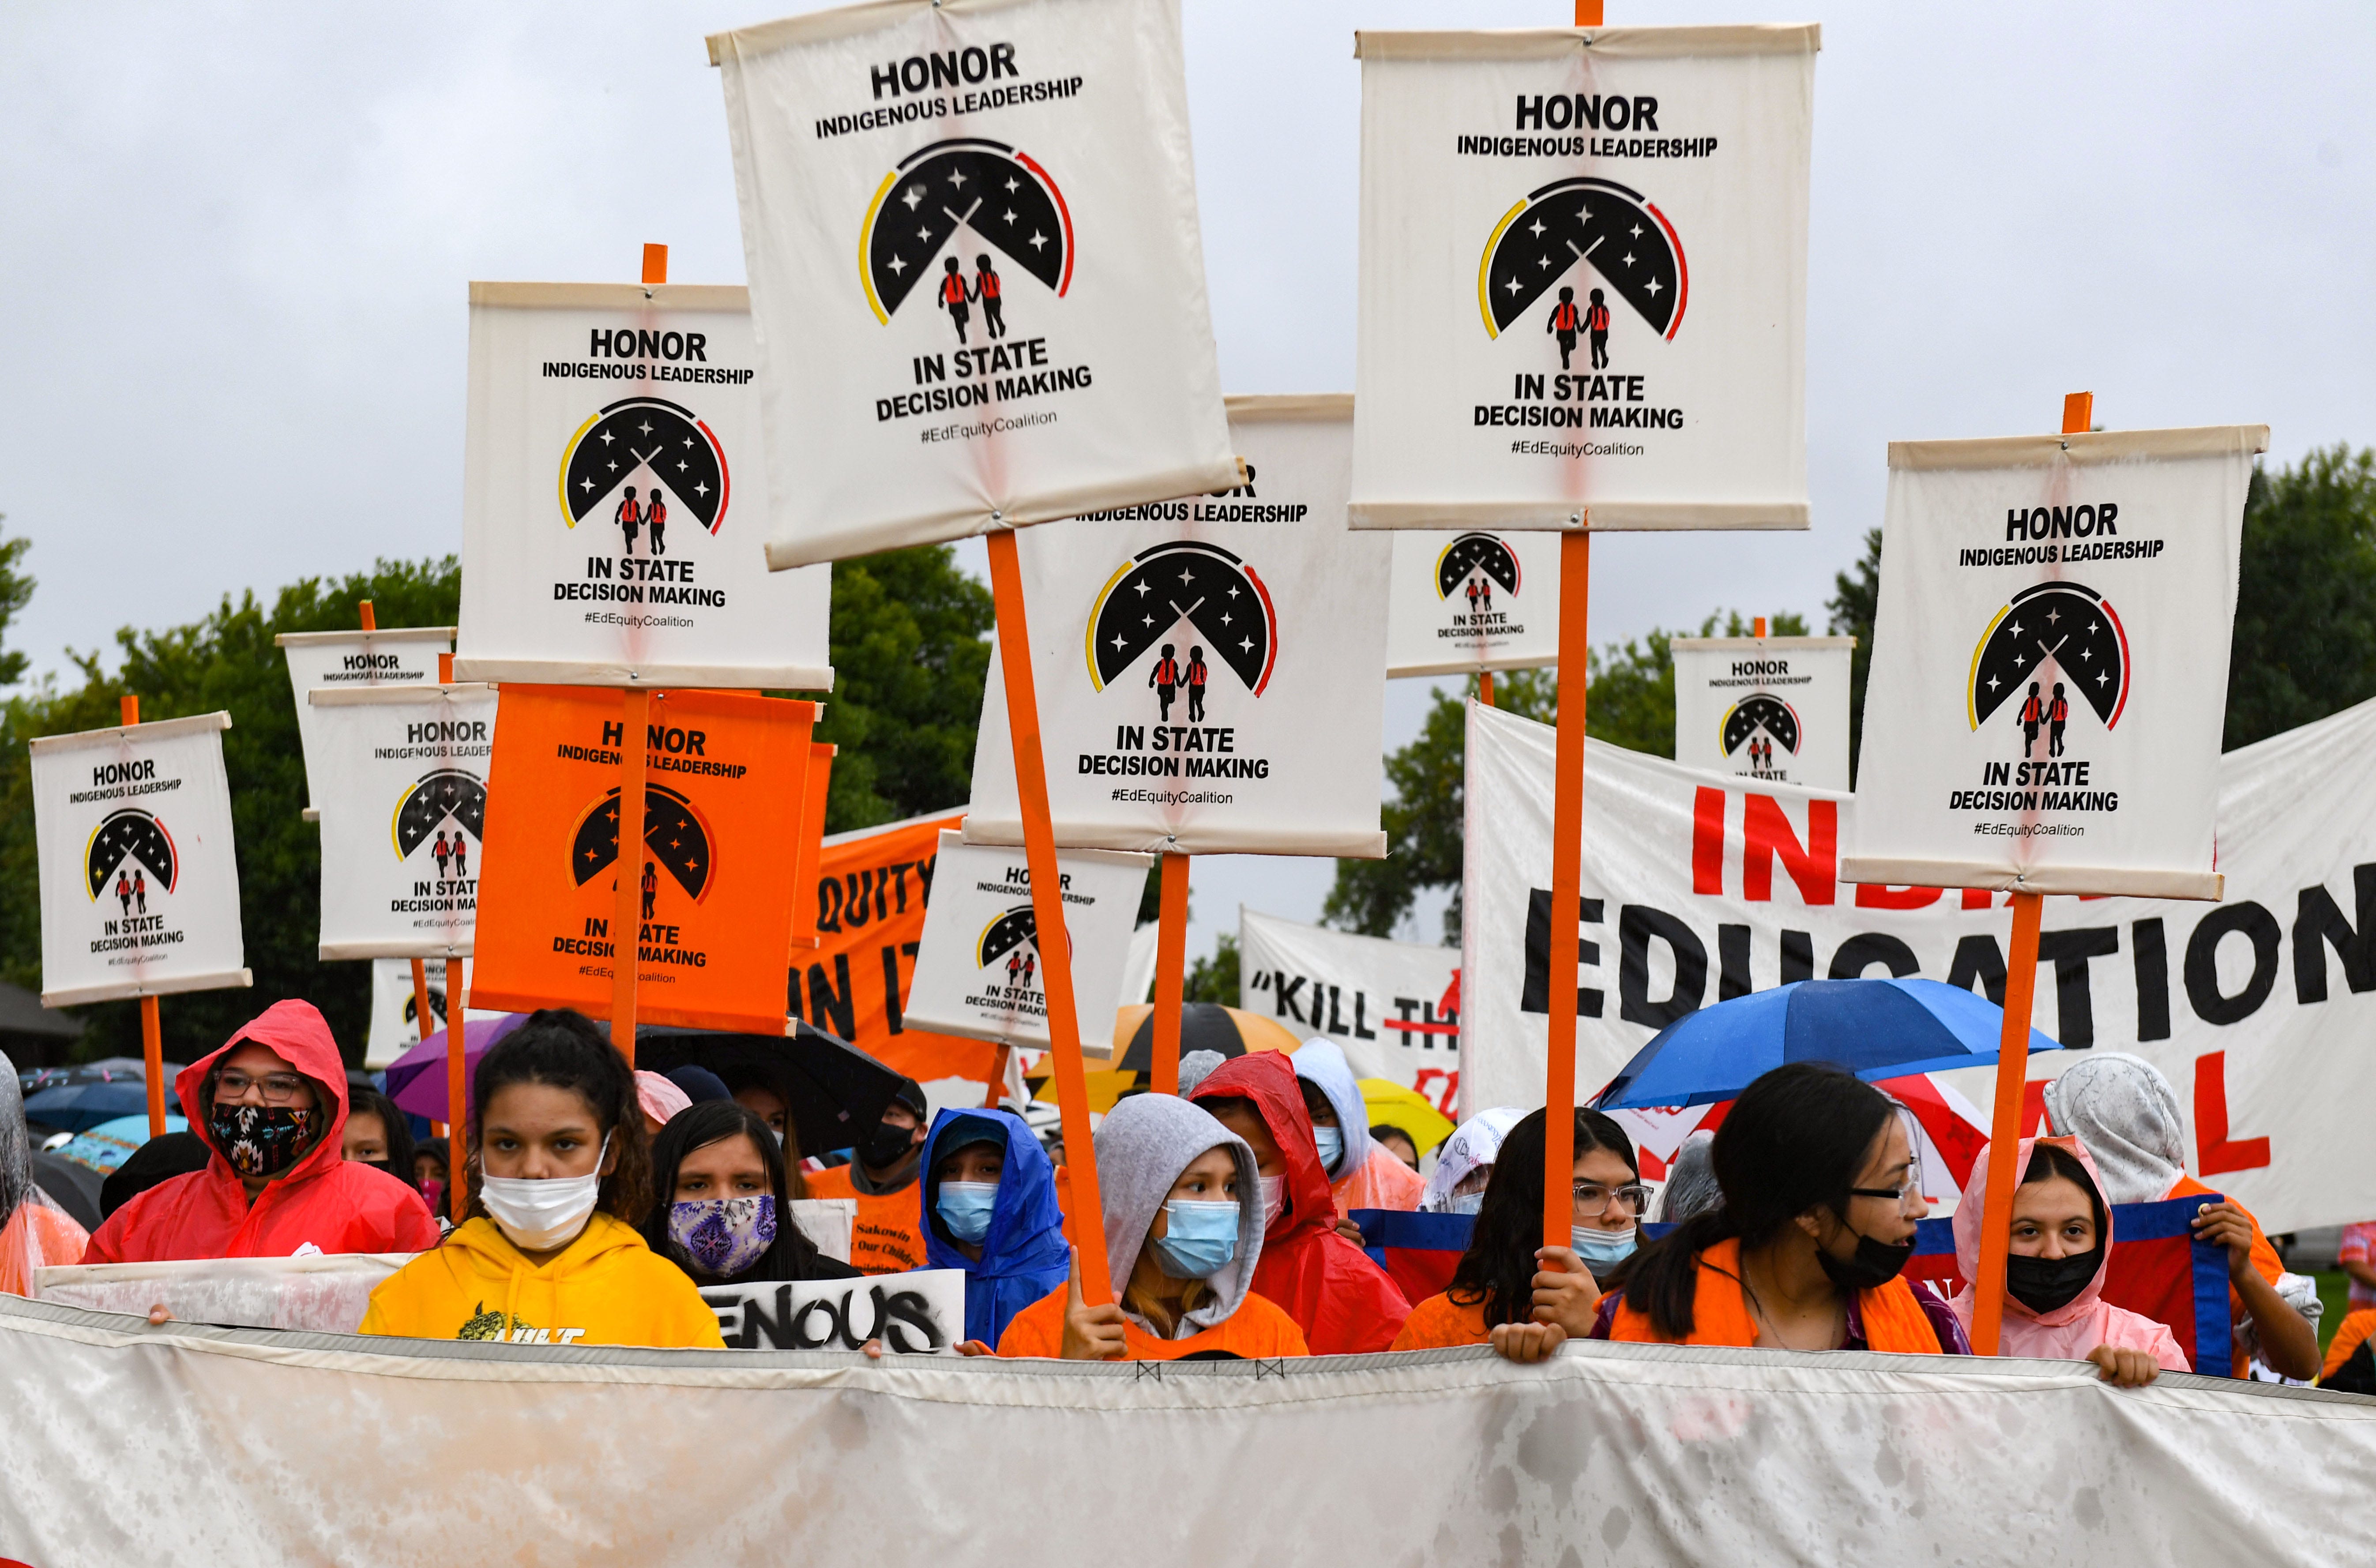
(457, 1096)
(2013, 1062)
(1048, 913)
(1170, 967)
(1485, 687)
(152, 1027)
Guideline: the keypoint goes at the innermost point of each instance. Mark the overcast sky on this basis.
(235, 244)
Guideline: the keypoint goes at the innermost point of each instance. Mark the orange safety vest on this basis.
(1167, 673)
(630, 513)
(1196, 673)
(990, 285)
(952, 289)
(1599, 320)
(2029, 711)
(2059, 711)
(1894, 1321)
(1563, 317)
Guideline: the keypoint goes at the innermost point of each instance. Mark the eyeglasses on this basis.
(1592, 1198)
(278, 1088)
(1903, 1197)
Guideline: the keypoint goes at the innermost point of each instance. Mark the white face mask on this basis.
(1274, 1191)
(1464, 1203)
(539, 1214)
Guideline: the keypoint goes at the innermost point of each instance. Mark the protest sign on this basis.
(1604, 326)
(1699, 888)
(139, 881)
(1462, 603)
(723, 797)
(1774, 710)
(616, 499)
(1394, 1006)
(978, 970)
(404, 771)
(2038, 585)
(919, 1313)
(342, 660)
(1211, 672)
(395, 1011)
(903, 167)
(322, 1292)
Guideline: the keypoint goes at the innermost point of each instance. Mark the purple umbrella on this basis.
(416, 1080)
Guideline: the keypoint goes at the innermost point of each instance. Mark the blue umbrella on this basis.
(1875, 1028)
(109, 1144)
(76, 1107)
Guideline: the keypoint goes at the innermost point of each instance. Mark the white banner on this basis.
(1584, 279)
(398, 657)
(1212, 671)
(1462, 603)
(139, 881)
(1697, 888)
(1394, 1006)
(549, 1454)
(910, 177)
(395, 1021)
(978, 966)
(917, 1314)
(616, 499)
(405, 774)
(2040, 584)
(1774, 710)
(323, 1292)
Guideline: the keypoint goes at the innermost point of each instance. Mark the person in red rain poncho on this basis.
(1344, 1304)
(272, 1106)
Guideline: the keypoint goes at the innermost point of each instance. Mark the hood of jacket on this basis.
(1269, 1079)
(1023, 1253)
(1475, 1142)
(15, 1143)
(1142, 1146)
(298, 1033)
(1321, 1064)
(1968, 1247)
(2129, 1117)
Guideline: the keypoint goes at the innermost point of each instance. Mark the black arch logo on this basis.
(1475, 554)
(645, 441)
(984, 188)
(129, 835)
(1218, 594)
(1013, 929)
(446, 792)
(1615, 230)
(674, 832)
(2066, 625)
(1746, 717)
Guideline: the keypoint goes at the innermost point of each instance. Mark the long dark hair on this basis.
(792, 1256)
(1793, 1141)
(398, 1125)
(1498, 1267)
(2049, 1160)
(560, 1047)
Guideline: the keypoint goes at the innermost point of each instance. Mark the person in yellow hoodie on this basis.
(548, 1254)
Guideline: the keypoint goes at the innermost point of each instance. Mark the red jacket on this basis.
(1344, 1304)
(337, 1204)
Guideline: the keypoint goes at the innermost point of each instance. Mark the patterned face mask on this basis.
(724, 1236)
(261, 1140)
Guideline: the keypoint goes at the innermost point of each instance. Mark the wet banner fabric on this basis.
(1771, 710)
(139, 882)
(1698, 888)
(2049, 674)
(983, 217)
(722, 794)
(1584, 279)
(564, 1455)
(1472, 600)
(616, 500)
(1211, 672)
(1394, 1006)
(326, 1293)
(404, 771)
(343, 661)
(978, 972)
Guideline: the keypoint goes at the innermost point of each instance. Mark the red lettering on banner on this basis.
(1977, 898)
(2213, 1150)
(1872, 895)
(1444, 1099)
(1708, 842)
(1766, 831)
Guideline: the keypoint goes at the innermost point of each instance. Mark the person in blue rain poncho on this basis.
(989, 1196)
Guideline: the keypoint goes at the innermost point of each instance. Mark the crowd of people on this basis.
(600, 1200)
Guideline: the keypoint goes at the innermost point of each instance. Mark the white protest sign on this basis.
(1463, 602)
(1771, 709)
(2050, 672)
(398, 657)
(1211, 672)
(615, 498)
(978, 966)
(404, 771)
(1583, 286)
(1394, 1006)
(1697, 888)
(139, 881)
(983, 219)
(920, 1313)
(320, 1293)
(395, 1010)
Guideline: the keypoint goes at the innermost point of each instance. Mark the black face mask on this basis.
(1874, 1265)
(2044, 1285)
(885, 1145)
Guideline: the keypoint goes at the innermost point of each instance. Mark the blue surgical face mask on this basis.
(1464, 1203)
(1332, 1147)
(1602, 1249)
(1198, 1238)
(964, 1207)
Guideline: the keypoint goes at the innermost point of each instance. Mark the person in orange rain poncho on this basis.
(1362, 1172)
(1183, 1218)
(888, 1237)
(34, 1232)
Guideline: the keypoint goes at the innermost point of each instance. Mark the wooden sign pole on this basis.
(1170, 962)
(457, 1096)
(1485, 687)
(1048, 914)
(2012, 1063)
(152, 1027)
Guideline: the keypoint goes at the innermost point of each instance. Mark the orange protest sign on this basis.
(715, 876)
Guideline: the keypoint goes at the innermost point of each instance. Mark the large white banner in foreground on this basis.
(1699, 887)
(274, 1449)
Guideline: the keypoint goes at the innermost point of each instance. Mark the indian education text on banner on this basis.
(1211, 672)
(344, 660)
(1394, 1006)
(1584, 279)
(404, 776)
(1697, 888)
(978, 972)
(2049, 674)
(139, 882)
(1463, 602)
(715, 873)
(983, 219)
(616, 500)
(1774, 710)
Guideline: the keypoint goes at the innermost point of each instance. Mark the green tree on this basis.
(1214, 978)
(1855, 593)
(2305, 638)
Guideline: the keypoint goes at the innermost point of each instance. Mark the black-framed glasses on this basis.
(1593, 1199)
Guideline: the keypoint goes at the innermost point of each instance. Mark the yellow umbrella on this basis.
(1390, 1105)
